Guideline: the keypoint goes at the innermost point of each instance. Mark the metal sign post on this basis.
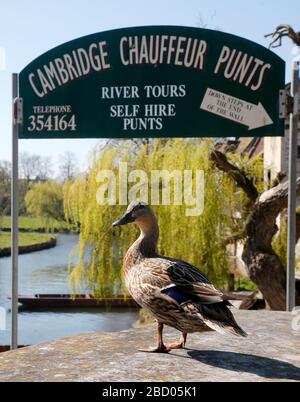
(293, 154)
(14, 211)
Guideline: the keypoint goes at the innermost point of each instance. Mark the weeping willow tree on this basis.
(199, 239)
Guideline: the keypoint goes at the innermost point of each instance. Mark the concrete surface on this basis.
(270, 353)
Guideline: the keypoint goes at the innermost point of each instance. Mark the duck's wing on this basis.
(186, 283)
(180, 283)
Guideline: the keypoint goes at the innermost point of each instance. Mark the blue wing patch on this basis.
(176, 294)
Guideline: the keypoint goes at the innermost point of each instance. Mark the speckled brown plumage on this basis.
(175, 292)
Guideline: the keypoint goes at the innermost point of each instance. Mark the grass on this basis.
(244, 283)
(25, 239)
(240, 284)
(30, 224)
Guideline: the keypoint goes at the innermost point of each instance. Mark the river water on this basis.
(47, 272)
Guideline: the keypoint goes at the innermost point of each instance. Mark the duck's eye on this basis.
(139, 207)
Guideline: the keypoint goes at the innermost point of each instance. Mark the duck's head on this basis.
(138, 212)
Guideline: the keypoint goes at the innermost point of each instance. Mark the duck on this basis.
(174, 292)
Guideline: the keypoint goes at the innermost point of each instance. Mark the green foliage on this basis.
(75, 201)
(280, 243)
(244, 283)
(145, 317)
(200, 240)
(45, 200)
(252, 167)
(5, 187)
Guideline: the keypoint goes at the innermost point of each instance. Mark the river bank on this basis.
(29, 224)
(35, 234)
(29, 243)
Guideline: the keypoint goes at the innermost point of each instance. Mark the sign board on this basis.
(156, 81)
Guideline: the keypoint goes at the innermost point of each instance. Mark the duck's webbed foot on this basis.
(158, 349)
(161, 347)
(178, 345)
(175, 345)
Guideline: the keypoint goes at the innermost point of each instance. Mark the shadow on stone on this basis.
(261, 366)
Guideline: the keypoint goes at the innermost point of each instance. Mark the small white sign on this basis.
(2, 319)
(231, 108)
(2, 59)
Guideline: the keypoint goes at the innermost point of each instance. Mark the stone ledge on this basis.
(270, 353)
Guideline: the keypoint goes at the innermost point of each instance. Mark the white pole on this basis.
(293, 155)
(14, 215)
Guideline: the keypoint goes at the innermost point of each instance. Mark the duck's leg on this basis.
(161, 348)
(180, 344)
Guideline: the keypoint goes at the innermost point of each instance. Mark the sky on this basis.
(29, 28)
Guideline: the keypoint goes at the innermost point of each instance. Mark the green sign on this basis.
(160, 81)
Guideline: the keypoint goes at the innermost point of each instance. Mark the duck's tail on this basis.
(219, 318)
(222, 328)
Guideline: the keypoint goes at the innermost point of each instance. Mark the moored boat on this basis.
(74, 301)
(6, 348)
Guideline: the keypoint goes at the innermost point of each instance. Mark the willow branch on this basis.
(242, 181)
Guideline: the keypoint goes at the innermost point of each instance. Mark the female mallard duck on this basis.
(176, 293)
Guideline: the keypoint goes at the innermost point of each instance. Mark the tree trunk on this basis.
(264, 266)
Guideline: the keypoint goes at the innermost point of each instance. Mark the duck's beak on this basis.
(127, 218)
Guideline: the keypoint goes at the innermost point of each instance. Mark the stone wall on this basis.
(270, 353)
